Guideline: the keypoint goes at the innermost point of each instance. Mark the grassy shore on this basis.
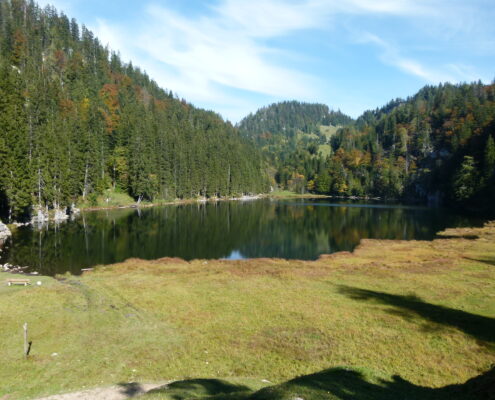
(111, 200)
(287, 194)
(400, 316)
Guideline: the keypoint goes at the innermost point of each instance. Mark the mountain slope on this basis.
(436, 146)
(75, 121)
(293, 136)
(289, 117)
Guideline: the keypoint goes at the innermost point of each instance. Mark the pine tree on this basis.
(465, 180)
(489, 164)
(76, 121)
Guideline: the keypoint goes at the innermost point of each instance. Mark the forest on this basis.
(75, 121)
(293, 137)
(436, 147)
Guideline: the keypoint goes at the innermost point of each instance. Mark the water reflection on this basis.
(287, 229)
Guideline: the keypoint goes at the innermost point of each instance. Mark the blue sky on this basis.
(234, 56)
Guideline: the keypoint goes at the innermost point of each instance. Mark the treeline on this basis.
(288, 118)
(75, 120)
(435, 146)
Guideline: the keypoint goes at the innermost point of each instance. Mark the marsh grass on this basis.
(421, 311)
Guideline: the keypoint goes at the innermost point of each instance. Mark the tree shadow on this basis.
(201, 388)
(131, 389)
(488, 261)
(479, 327)
(467, 237)
(331, 384)
(343, 384)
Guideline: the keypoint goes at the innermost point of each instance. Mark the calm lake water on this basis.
(293, 229)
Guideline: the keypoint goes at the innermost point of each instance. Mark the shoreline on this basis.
(275, 195)
(243, 198)
(448, 233)
(210, 200)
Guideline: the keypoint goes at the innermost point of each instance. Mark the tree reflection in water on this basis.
(286, 229)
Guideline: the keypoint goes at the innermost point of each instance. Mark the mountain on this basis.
(436, 146)
(75, 121)
(293, 136)
(289, 117)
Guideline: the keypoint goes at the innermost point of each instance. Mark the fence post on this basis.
(26, 345)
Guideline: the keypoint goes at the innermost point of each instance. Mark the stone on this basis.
(40, 216)
(4, 231)
(60, 215)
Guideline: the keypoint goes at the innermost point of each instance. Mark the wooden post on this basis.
(26, 345)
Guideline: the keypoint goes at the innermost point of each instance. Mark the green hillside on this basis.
(437, 146)
(293, 136)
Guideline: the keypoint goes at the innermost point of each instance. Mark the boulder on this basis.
(60, 215)
(4, 231)
(39, 216)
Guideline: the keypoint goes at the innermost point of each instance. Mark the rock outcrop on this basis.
(4, 232)
(39, 216)
(60, 215)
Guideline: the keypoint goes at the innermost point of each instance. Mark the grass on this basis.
(407, 319)
(329, 130)
(330, 384)
(325, 150)
(289, 194)
(109, 199)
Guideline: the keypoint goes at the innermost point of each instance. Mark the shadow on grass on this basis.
(479, 327)
(342, 384)
(132, 389)
(331, 384)
(202, 388)
(488, 261)
(467, 237)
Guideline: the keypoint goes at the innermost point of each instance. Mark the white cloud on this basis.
(211, 59)
(226, 57)
(443, 73)
(207, 52)
(205, 58)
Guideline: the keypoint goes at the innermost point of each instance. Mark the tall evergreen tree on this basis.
(75, 121)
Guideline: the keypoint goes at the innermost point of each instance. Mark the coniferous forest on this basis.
(75, 120)
(437, 146)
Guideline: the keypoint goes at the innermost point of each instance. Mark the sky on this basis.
(235, 56)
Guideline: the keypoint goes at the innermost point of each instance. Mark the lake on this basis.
(292, 229)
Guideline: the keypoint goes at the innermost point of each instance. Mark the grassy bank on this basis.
(283, 194)
(114, 199)
(423, 312)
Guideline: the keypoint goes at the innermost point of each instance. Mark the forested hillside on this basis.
(435, 146)
(75, 121)
(293, 136)
(288, 118)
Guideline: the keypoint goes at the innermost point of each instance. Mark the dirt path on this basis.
(118, 392)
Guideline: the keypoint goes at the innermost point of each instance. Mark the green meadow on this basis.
(392, 320)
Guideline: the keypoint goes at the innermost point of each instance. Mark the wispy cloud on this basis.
(236, 54)
(203, 57)
(206, 58)
(391, 55)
